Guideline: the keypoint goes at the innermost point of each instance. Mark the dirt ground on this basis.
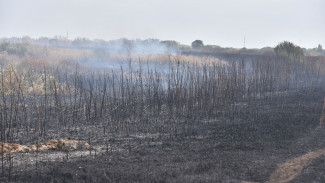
(284, 147)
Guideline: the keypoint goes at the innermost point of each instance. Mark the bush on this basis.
(14, 49)
(289, 50)
(197, 44)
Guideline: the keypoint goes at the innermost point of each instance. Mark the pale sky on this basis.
(217, 22)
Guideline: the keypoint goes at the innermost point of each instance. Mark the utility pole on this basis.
(244, 42)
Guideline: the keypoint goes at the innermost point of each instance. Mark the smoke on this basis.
(99, 54)
(123, 45)
(137, 46)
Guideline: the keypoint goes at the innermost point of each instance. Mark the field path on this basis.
(293, 167)
(290, 169)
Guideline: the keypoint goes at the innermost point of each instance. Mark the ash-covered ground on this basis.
(217, 150)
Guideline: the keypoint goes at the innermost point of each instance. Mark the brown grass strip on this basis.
(293, 167)
(62, 144)
(322, 116)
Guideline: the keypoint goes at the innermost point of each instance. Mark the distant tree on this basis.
(197, 44)
(27, 40)
(170, 43)
(319, 48)
(171, 46)
(43, 41)
(14, 49)
(77, 43)
(289, 50)
(128, 45)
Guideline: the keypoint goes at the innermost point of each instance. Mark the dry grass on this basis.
(62, 144)
(322, 116)
(292, 168)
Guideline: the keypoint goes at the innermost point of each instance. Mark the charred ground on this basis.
(191, 122)
(225, 151)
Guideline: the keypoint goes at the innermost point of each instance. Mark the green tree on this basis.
(289, 50)
(14, 49)
(197, 44)
(320, 48)
(128, 45)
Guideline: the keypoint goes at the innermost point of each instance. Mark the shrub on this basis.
(289, 50)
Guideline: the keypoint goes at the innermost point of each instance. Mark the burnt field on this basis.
(191, 121)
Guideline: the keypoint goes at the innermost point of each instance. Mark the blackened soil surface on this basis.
(208, 151)
(174, 160)
(314, 171)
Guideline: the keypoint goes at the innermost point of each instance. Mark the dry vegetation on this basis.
(47, 97)
(62, 144)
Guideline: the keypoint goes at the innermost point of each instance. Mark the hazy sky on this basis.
(218, 22)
